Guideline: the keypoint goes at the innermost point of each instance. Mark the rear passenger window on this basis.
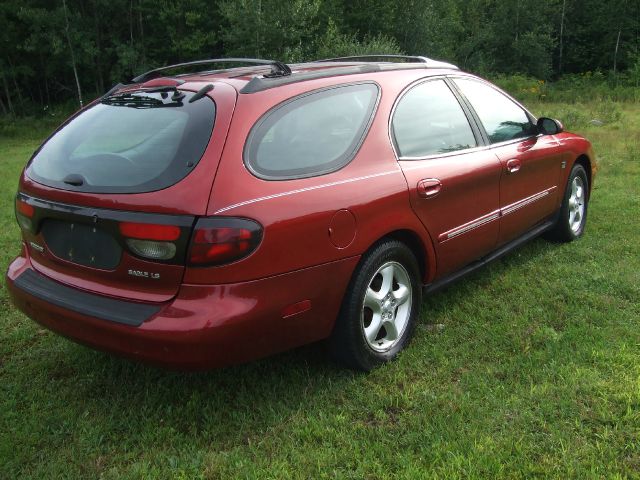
(311, 134)
(502, 118)
(429, 121)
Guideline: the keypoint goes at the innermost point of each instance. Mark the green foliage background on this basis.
(107, 41)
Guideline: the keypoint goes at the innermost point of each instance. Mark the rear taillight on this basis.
(221, 240)
(24, 214)
(151, 241)
(148, 231)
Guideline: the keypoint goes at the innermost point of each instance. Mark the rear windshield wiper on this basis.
(201, 93)
(74, 179)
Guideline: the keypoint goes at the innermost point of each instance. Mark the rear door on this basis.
(530, 163)
(109, 201)
(453, 183)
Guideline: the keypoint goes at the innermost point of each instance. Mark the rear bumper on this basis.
(204, 326)
(89, 304)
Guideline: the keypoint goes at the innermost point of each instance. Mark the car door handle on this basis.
(513, 165)
(429, 187)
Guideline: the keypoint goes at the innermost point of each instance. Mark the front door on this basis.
(530, 163)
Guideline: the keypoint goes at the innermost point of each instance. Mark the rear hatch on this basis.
(107, 204)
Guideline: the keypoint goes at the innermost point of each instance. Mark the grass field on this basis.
(535, 372)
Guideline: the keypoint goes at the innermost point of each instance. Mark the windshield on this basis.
(127, 143)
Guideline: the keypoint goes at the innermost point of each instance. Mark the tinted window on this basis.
(134, 142)
(429, 120)
(312, 134)
(502, 118)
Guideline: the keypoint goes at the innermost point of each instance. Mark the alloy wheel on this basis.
(576, 204)
(386, 307)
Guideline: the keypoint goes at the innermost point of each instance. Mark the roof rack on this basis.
(278, 69)
(429, 62)
(336, 67)
(377, 58)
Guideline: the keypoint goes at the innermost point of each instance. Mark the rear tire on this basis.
(573, 212)
(380, 308)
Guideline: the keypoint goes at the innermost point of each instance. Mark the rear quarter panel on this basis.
(296, 214)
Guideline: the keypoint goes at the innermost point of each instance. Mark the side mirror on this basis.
(549, 126)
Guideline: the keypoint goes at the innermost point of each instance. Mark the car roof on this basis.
(269, 74)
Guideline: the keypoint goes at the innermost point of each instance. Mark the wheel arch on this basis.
(585, 161)
(421, 247)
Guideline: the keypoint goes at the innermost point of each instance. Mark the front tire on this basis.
(380, 308)
(573, 212)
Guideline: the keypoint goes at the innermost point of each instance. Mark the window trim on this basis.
(348, 159)
(532, 118)
(475, 129)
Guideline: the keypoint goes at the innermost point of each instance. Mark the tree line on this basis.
(55, 51)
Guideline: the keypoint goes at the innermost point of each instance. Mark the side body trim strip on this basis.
(525, 201)
(469, 226)
(306, 189)
(495, 215)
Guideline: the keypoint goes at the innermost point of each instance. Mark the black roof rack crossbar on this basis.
(378, 58)
(278, 69)
(258, 84)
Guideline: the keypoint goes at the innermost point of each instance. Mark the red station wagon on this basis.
(203, 219)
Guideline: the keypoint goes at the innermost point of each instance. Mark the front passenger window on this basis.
(502, 118)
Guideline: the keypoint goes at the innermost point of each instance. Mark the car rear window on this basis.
(127, 143)
(312, 134)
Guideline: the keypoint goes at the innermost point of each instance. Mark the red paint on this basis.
(161, 82)
(296, 308)
(314, 230)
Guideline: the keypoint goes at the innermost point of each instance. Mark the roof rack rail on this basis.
(429, 62)
(378, 58)
(278, 69)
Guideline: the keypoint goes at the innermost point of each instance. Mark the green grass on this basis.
(535, 373)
